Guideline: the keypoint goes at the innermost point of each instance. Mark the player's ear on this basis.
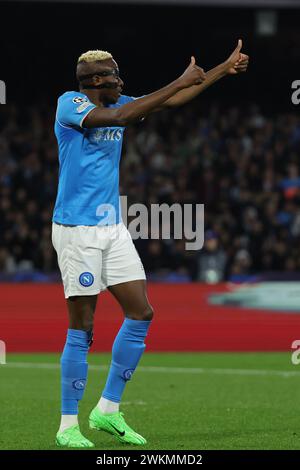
(97, 80)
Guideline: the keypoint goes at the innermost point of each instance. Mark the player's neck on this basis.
(93, 96)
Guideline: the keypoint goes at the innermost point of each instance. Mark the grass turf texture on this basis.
(235, 401)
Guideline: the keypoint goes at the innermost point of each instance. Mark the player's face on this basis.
(112, 94)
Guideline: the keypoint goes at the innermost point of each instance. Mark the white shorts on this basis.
(91, 258)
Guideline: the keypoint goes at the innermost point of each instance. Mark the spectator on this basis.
(240, 163)
(211, 260)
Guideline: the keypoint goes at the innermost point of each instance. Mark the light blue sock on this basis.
(127, 350)
(74, 368)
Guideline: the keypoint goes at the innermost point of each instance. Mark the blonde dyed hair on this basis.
(93, 56)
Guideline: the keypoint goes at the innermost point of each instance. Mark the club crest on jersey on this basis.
(79, 99)
(86, 279)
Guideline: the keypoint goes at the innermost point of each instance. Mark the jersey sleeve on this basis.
(72, 110)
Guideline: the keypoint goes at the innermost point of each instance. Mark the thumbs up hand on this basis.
(193, 75)
(237, 62)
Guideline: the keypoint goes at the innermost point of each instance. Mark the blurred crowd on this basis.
(241, 163)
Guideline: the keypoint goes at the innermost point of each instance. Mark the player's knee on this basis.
(147, 313)
(81, 313)
(87, 324)
(142, 313)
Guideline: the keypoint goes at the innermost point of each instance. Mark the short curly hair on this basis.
(93, 56)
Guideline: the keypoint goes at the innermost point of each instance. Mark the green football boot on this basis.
(72, 437)
(115, 424)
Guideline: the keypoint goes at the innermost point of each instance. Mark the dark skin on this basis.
(132, 296)
(101, 97)
(189, 85)
(129, 112)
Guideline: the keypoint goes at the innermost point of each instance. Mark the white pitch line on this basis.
(129, 403)
(163, 370)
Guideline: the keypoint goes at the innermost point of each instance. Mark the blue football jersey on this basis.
(88, 187)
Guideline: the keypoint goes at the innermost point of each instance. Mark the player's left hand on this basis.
(237, 62)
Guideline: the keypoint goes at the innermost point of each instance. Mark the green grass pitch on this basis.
(178, 401)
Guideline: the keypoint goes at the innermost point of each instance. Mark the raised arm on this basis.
(236, 63)
(130, 112)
